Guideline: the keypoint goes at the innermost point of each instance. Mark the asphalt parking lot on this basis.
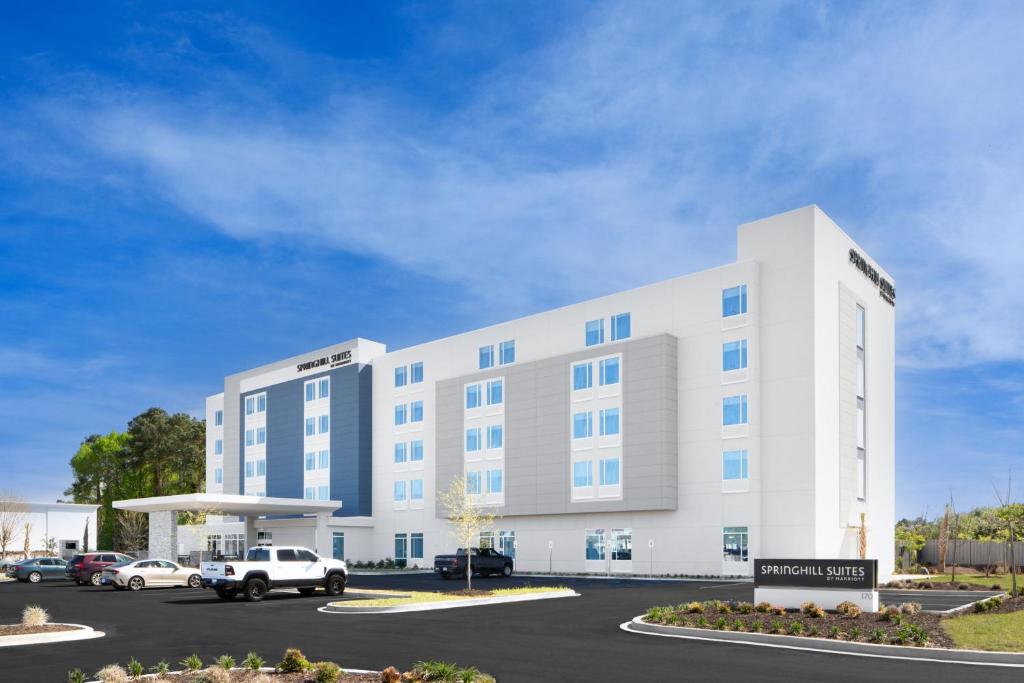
(571, 639)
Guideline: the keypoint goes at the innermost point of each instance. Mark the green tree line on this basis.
(159, 454)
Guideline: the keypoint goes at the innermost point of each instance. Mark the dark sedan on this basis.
(38, 569)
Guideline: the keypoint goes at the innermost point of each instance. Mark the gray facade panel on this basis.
(284, 439)
(351, 440)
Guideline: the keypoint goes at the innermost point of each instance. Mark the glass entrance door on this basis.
(621, 555)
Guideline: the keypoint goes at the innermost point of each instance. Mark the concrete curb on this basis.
(631, 577)
(447, 604)
(822, 645)
(81, 632)
(388, 572)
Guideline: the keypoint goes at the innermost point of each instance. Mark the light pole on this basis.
(551, 546)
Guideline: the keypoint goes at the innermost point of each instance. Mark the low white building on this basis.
(64, 528)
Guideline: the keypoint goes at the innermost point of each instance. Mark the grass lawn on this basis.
(1003, 580)
(988, 631)
(419, 597)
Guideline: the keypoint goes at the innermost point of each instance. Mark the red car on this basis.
(88, 568)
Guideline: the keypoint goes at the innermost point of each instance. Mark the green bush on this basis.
(877, 636)
(795, 628)
(161, 668)
(432, 670)
(702, 621)
(657, 614)
(854, 633)
(76, 676)
(738, 625)
(850, 609)
(776, 626)
(813, 631)
(745, 607)
(904, 634)
(326, 672)
(293, 662)
(253, 662)
(192, 663)
(835, 632)
(135, 668)
(723, 607)
(763, 607)
(757, 625)
(721, 623)
(695, 608)
(226, 662)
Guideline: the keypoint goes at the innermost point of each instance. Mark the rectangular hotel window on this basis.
(400, 451)
(582, 474)
(734, 410)
(325, 460)
(473, 439)
(261, 403)
(595, 332)
(325, 493)
(218, 447)
(734, 465)
(416, 411)
(472, 396)
(734, 355)
(261, 435)
(218, 476)
(400, 376)
(494, 397)
(609, 371)
(609, 421)
(250, 470)
(494, 483)
(250, 405)
(310, 461)
(310, 391)
(595, 544)
(416, 373)
(620, 326)
(250, 437)
(416, 450)
(308, 493)
(400, 414)
(416, 489)
(400, 549)
(218, 418)
(416, 546)
(582, 376)
(400, 490)
(473, 483)
(734, 544)
(261, 467)
(494, 436)
(338, 545)
(310, 426)
(582, 425)
(861, 409)
(609, 472)
(325, 424)
(734, 301)
(486, 357)
(507, 352)
(325, 387)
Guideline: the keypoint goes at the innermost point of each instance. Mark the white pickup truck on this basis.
(274, 567)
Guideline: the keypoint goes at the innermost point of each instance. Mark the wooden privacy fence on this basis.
(974, 553)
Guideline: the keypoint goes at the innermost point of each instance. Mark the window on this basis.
(416, 411)
(620, 326)
(325, 493)
(401, 542)
(486, 357)
(473, 439)
(250, 406)
(310, 461)
(582, 376)
(507, 543)
(734, 301)
(399, 491)
(325, 424)
(218, 476)
(861, 409)
(416, 450)
(218, 447)
(261, 403)
(400, 414)
(325, 387)
(218, 418)
(416, 489)
(416, 546)
(622, 544)
(734, 410)
(325, 460)
(582, 425)
(416, 373)
(308, 494)
(494, 392)
(609, 472)
(734, 465)
(595, 544)
(582, 474)
(493, 481)
(400, 376)
(338, 545)
(734, 355)
(250, 437)
(595, 332)
(310, 426)
(261, 435)
(494, 436)
(507, 352)
(734, 544)
(609, 421)
(261, 467)
(310, 391)
(473, 483)
(472, 396)
(250, 470)
(609, 371)
(400, 451)
(486, 542)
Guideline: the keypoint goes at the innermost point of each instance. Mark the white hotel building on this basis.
(684, 427)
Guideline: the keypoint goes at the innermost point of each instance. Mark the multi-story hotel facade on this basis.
(684, 427)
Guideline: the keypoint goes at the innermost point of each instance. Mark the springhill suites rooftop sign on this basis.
(885, 288)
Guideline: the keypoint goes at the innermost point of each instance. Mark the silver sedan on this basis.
(150, 574)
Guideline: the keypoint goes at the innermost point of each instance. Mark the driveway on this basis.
(570, 639)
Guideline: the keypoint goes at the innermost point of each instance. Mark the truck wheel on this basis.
(306, 591)
(226, 593)
(506, 571)
(255, 589)
(335, 584)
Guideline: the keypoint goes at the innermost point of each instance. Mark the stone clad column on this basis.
(163, 535)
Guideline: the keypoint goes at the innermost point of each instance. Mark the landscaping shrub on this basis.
(721, 623)
(112, 673)
(738, 625)
(470, 674)
(135, 668)
(910, 607)
(695, 608)
(963, 587)
(76, 676)
(796, 628)
(996, 587)
(854, 633)
(723, 607)
(904, 634)
(850, 609)
(326, 672)
(161, 668)
(226, 662)
(745, 607)
(445, 672)
(763, 607)
(927, 585)
(702, 621)
(982, 606)
(657, 614)
(813, 631)
(757, 625)
(390, 675)
(214, 674)
(253, 662)
(779, 610)
(192, 663)
(807, 607)
(293, 662)
(776, 626)
(835, 632)
(34, 615)
(888, 612)
(877, 636)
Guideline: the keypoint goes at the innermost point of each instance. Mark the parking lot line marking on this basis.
(725, 585)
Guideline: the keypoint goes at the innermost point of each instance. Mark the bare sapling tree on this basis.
(26, 549)
(943, 540)
(956, 535)
(196, 520)
(13, 511)
(467, 519)
(132, 530)
(1013, 515)
(863, 536)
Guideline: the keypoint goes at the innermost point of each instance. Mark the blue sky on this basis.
(186, 192)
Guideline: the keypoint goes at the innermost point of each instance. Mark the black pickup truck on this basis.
(484, 561)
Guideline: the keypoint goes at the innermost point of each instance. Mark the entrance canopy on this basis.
(228, 504)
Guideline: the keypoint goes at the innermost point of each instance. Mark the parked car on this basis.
(149, 574)
(36, 569)
(272, 567)
(88, 567)
(483, 561)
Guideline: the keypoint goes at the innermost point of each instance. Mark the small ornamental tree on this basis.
(467, 519)
(27, 548)
(12, 515)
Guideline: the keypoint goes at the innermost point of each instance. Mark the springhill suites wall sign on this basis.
(885, 288)
(852, 574)
(333, 361)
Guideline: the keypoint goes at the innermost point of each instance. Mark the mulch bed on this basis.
(1009, 605)
(22, 630)
(248, 676)
(471, 593)
(940, 586)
